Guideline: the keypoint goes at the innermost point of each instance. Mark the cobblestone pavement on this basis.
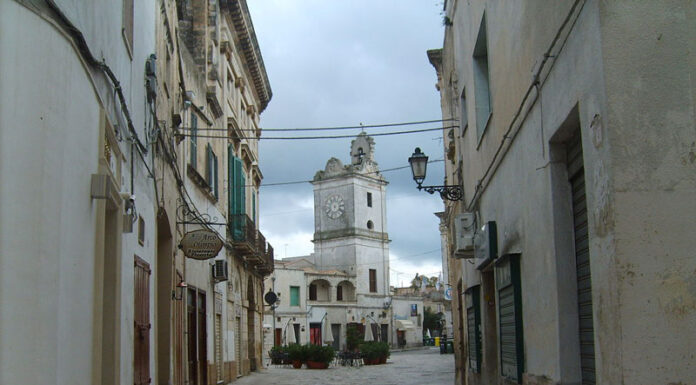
(423, 366)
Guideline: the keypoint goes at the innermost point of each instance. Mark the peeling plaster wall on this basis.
(625, 74)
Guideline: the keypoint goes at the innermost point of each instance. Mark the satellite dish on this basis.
(270, 297)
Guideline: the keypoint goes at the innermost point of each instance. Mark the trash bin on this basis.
(450, 346)
(437, 341)
(443, 345)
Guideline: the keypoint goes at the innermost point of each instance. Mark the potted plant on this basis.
(319, 357)
(297, 355)
(374, 353)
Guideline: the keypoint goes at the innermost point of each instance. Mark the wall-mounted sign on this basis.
(201, 244)
(448, 294)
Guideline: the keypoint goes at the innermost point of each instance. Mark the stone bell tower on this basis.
(350, 228)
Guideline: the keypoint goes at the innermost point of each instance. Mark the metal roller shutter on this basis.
(576, 175)
(507, 276)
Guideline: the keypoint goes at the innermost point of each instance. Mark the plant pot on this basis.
(297, 364)
(383, 360)
(370, 361)
(317, 365)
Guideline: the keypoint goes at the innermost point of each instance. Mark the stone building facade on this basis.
(111, 155)
(346, 280)
(575, 151)
(213, 87)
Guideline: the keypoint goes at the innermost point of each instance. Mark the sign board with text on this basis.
(201, 244)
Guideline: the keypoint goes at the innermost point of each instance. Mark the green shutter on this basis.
(242, 188)
(215, 176)
(194, 145)
(510, 317)
(238, 186)
(230, 182)
(209, 165)
(473, 327)
(294, 296)
(253, 206)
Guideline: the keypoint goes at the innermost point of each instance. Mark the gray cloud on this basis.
(343, 63)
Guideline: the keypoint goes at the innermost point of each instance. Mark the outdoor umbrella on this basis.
(290, 334)
(427, 333)
(328, 336)
(368, 331)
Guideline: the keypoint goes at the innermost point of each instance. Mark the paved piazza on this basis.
(423, 366)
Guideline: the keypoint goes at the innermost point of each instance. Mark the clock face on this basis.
(334, 206)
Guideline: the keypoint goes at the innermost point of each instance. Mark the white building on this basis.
(346, 280)
(73, 150)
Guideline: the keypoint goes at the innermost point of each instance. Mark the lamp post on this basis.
(419, 166)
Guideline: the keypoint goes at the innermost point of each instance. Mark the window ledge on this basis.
(200, 182)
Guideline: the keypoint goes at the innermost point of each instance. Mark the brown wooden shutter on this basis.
(373, 280)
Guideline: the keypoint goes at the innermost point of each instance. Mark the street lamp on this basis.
(419, 166)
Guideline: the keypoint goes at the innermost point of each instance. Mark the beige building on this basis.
(212, 87)
(570, 251)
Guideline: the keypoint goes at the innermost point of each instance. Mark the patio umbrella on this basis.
(368, 332)
(427, 333)
(290, 334)
(328, 336)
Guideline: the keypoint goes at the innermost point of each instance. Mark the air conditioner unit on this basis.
(486, 245)
(464, 231)
(220, 271)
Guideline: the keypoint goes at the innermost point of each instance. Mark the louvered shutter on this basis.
(215, 175)
(230, 182)
(473, 327)
(194, 145)
(507, 277)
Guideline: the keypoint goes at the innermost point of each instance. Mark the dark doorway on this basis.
(336, 331)
(197, 336)
(141, 317)
(251, 324)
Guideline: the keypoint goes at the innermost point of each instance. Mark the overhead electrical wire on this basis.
(323, 128)
(368, 173)
(321, 136)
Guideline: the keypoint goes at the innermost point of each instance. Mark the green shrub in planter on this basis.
(374, 351)
(297, 352)
(323, 354)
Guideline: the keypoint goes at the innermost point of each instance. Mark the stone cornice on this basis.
(350, 232)
(241, 19)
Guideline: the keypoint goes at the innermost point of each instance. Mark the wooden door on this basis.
(191, 332)
(315, 333)
(141, 343)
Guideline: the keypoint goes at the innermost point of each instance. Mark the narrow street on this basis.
(403, 368)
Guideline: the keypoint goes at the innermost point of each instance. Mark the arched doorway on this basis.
(251, 324)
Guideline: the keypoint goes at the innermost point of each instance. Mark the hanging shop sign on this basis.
(201, 244)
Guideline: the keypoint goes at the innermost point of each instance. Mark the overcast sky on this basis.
(342, 63)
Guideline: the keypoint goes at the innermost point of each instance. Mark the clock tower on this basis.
(350, 229)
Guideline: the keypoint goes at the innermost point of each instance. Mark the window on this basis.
(463, 113)
(211, 170)
(253, 206)
(235, 184)
(473, 326)
(141, 230)
(370, 225)
(127, 25)
(294, 296)
(507, 282)
(194, 140)
(481, 80)
(312, 292)
(373, 281)
(369, 199)
(339, 293)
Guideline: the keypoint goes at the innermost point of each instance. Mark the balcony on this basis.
(267, 267)
(242, 233)
(250, 243)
